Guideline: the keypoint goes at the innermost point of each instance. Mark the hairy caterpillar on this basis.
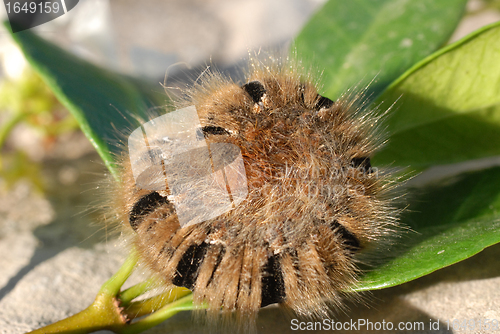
(304, 200)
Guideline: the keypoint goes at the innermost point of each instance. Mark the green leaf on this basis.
(106, 105)
(356, 41)
(448, 105)
(451, 222)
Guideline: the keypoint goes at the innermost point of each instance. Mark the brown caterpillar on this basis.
(313, 200)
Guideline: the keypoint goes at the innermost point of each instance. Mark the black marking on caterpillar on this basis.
(324, 102)
(145, 205)
(273, 287)
(214, 130)
(255, 89)
(363, 163)
(349, 238)
(188, 266)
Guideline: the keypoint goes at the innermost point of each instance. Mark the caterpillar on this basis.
(271, 198)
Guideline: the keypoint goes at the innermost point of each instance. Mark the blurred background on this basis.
(56, 253)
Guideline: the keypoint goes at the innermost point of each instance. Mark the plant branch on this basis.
(150, 305)
(183, 304)
(104, 313)
(126, 296)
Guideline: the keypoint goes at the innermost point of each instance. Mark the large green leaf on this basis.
(107, 105)
(448, 105)
(450, 223)
(356, 41)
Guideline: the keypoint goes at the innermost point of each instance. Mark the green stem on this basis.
(183, 304)
(107, 311)
(104, 313)
(135, 291)
(150, 305)
(113, 285)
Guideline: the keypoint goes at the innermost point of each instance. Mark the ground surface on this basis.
(54, 254)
